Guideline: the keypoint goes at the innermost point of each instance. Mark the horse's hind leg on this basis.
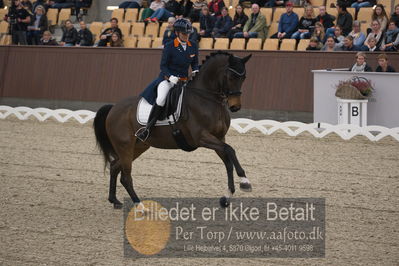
(225, 201)
(115, 169)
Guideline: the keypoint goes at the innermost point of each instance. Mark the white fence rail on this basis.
(241, 125)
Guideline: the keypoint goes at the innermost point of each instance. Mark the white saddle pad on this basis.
(144, 109)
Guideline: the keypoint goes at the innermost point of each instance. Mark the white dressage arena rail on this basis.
(241, 125)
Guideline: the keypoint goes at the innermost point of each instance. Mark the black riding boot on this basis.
(143, 133)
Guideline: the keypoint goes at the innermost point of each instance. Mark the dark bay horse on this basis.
(204, 123)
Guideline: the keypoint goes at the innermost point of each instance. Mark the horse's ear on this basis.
(245, 59)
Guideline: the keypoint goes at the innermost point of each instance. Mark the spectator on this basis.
(330, 45)
(169, 33)
(375, 33)
(256, 25)
(380, 15)
(390, 42)
(131, 4)
(348, 44)
(186, 7)
(70, 35)
(383, 65)
(38, 26)
(22, 20)
(223, 24)
(215, 7)
(42, 3)
(319, 33)
(83, 4)
(363, 3)
(85, 37)
(27, 5)
(287, 24)
(314, 45)
(194, 36)
(61, 3)
(207, 23)
(154, 6)
(326, 19)
(197, 9)
(105, 36)
(371, 47)
(344, 20)
(360, 64)
(276, 3)
(338, 37)
(357, 35)
(47, 39)
(395, 16)
(116, 40)
(172, 8)
(306, 25)
(238, 23)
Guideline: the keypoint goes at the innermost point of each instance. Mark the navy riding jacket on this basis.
(175, 62)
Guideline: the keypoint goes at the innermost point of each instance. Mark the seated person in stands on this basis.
(40, 3)
(363, 3)
(326, 19)
(344, 20)
(215, 7)
(330, 45)
(390, 42)
(348, 44)
(238, 23)
(131, 4)
(38, 26)
(380, 15)
(197, 9)
(207, 23)
(70, 35)
(338, 37)
(306, 25)
(319, 33)
(223, 24)
(276, 3)
(147, 12)
(85, 37)
(81, 4)
(357, 35)
(47, 39)
(185, 8)
(360, 64)
(287, 24)
(371, 45)
(376, 33)
(105, 36)
(27, 4)
(61, 3)
(383, 65)
(314, 45)
(172, 8)
(116, 40)
(255, 27)
(169, 34)
(395, 15)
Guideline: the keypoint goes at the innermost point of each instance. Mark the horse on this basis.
(204, 123)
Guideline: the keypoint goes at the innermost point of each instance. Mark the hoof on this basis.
(246, 187)
(224, 202)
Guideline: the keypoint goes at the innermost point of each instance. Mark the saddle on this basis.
(171, 111)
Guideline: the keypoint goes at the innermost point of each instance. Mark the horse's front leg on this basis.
(211, 142)
(245, 185)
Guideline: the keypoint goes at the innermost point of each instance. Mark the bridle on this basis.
(225, 90)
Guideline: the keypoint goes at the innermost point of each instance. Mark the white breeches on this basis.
(162, 90)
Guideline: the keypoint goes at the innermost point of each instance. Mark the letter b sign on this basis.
(355, 110)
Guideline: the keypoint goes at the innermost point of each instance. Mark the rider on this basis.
(177, 56)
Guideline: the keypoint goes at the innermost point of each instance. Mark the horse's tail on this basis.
(101, 134)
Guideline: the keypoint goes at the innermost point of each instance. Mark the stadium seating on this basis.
(118, 13)
(277, 14)
(288, 45)
(273, 29)
(196, 25)
(329, 2)
(237, 44)
(157, 43)
(254, 44)
(107, 25)
(64, 15)
(206, 43)
(3, 12)
(5, 40)
(131, 15)
(52, 15)
(352, 11)
(96, 28)
(365, 14)
(267, 12)
(3, 27)
(130, 42)
(232, 12)
(125, 28)
(303, 44)
(138, 29)
(144, 42)
(247, 11)
(317, 2)
(221, 44)
(163, 29)
(332, 11)
(271, 45)
(152, 30)
(299, 11)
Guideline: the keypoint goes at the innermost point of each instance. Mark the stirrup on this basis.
(142, 134)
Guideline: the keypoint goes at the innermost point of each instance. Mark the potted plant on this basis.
(356, 88)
